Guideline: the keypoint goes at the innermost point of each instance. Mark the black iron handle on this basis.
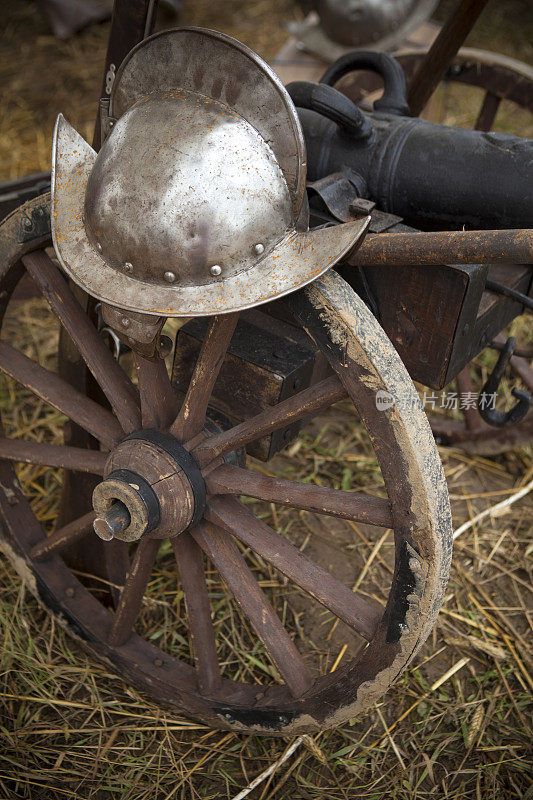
(492, 416)
(394, 98)
(332, 104)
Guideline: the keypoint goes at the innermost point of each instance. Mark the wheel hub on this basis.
(152, 486)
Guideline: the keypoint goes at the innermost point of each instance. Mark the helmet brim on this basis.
(298, 259)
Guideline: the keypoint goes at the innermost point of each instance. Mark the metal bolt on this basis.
(115, 520)
(158, 662)
(169, 277)
(361, 206)
(69, 592)
(259, 249)
(125, 322)
(215, 270)
(128, 267)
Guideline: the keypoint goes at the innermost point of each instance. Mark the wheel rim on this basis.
(364, 361)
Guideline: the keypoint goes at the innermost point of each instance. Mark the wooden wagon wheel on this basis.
(498, 76)
(364, 362)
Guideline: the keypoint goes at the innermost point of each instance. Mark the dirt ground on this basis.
(456, 725)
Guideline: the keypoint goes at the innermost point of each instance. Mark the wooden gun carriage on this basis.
(166, 457)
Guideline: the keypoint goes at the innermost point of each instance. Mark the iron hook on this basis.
(492, 415)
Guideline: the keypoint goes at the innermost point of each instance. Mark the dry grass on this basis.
(457, 725)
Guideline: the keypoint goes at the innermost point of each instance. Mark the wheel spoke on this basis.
(63, 538)
(226, 556)
(190, 561)
(307, 403)
(53, 455)
(114, 382)
(49, 387)
(159, 404)
(190, 419)
(228, 479)
(487, 112)
(472, 417)
(229, 514)
(133, 591)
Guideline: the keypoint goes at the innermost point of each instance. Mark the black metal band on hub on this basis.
(145, 492)
(183, 459)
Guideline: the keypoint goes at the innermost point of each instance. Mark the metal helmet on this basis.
(356, 23)
(195, 204)
(343, 25)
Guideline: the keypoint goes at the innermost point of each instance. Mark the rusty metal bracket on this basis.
(34, 224)
(140, 332)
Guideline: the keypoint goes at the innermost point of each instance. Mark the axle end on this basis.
(115, 520)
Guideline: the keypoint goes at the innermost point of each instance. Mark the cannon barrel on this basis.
(432, 175)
